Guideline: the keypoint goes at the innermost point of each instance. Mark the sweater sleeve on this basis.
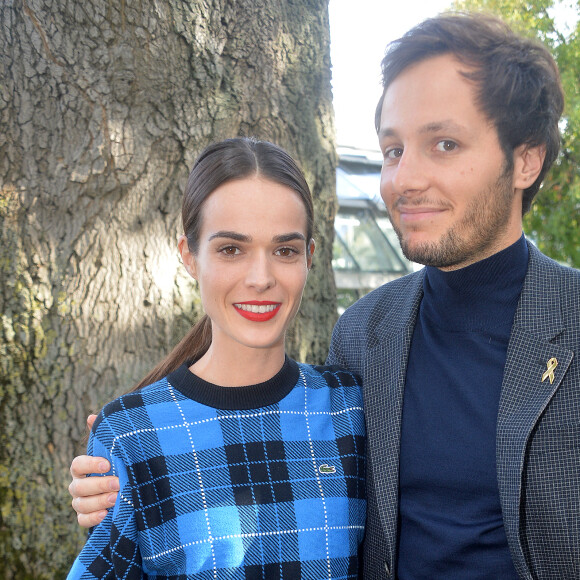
(112, 549)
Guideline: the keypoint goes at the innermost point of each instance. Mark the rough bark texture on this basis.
(104, 105)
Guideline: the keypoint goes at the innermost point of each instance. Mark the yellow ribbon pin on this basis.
(552, 364)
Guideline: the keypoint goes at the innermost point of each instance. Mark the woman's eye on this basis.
(286, 252)
(446, 145)
(230, 250)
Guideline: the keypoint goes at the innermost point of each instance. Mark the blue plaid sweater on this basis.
(264, 481)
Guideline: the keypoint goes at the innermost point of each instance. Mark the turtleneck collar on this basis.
(481, 296)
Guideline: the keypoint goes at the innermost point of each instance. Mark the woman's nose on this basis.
(260, 274)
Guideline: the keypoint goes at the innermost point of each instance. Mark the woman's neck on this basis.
(239, 366)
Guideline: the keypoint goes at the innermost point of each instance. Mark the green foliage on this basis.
(529, 18)
(554, 222)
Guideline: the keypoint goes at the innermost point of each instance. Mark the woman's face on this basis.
(252, 262)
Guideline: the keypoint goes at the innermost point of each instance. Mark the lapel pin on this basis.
(549, 373)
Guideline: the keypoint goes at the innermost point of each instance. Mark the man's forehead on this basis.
(428, 95)
(432, 127)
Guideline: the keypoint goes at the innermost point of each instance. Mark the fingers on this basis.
(91, 498)
(90, 421)
(92, 495)
(93, 486)
(84, 465)
(92, 519)
(88, 505)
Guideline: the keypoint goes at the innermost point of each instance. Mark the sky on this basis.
(359, 34)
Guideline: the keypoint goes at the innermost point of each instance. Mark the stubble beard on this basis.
(469, 240)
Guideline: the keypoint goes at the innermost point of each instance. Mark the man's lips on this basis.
(412, 214)
(258, 311)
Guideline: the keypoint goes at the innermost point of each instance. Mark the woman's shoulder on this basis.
(120, 414)
(332, 389)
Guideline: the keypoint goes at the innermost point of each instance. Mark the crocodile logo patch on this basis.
(325, 468)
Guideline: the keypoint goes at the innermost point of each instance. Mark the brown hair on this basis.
(517, 81)
(219, 163)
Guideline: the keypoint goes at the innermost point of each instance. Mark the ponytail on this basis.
(191, 348)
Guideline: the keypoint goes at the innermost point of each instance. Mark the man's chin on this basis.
(417, 251)
(428, 254)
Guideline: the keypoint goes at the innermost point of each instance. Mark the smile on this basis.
(258, 311)
(418, 214)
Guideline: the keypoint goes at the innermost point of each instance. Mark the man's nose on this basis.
(409, 174)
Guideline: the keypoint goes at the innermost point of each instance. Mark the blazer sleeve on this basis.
(335, 352)
(112, 548)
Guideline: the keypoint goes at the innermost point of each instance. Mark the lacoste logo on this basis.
(325, 468)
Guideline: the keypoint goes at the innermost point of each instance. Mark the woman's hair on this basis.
(220, 163)
(517, 83)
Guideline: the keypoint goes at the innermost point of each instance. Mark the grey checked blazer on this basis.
(538, 431)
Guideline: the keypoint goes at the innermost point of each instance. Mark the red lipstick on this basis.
(258, 311)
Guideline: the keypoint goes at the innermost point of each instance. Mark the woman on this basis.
(233, 460)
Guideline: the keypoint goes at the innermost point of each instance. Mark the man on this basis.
(470, 366)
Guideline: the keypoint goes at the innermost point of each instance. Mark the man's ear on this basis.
(310, 252)
(528, 162)
(187, 257)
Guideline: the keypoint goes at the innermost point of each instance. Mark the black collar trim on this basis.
(263, 394)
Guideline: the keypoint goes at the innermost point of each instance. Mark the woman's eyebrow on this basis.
(231, 236)
(282, 238)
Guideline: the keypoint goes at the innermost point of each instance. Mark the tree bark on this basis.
(104, 106)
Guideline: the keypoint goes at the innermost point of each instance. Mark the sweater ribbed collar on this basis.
(231, 398)
(481, 296)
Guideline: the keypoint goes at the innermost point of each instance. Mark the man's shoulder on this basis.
(399, 291)
(540, 259)
(553, 275)
(550, 298)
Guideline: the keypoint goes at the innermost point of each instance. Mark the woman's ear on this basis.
(187, 257)
(310, 252)
(528, 162)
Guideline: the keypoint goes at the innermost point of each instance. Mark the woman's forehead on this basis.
(254, 206)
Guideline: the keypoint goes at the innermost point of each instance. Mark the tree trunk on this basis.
(104, 106)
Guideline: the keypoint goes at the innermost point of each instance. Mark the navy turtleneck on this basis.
(450, 519)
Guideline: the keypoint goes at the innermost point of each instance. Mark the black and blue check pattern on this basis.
(206, 493)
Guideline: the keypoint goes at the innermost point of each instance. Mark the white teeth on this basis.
(256, 309)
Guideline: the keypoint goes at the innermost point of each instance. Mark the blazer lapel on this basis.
(384, 381)
(524, 394)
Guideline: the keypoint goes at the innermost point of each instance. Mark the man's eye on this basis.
(446, 145)
(393, 153)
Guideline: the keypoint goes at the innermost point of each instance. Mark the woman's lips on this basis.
(257, 311)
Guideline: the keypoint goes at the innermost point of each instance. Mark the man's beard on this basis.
(486, 218)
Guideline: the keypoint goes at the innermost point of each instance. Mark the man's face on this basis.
(450, 194)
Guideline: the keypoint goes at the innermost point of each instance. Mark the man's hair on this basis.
(517, 83)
